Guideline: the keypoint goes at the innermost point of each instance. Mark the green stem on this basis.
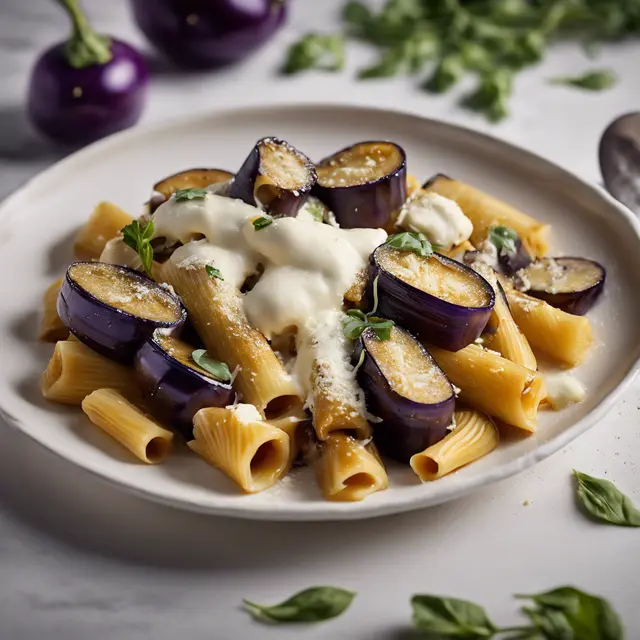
(514, 629)
(85, 47)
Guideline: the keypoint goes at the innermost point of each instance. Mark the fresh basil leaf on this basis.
(505, 239)
(182, 195)
(491, 95)
(355, 322)
(447, 73)
(411, 241)
(441, 617)
(213, 272)
(356, 313)
(356, 13)
(311, 605)
(382, 328)
(599, 80)
(353, 327)
(605, 502)
(262, 222)
(590, 617)
(139, 239)
(551, 622)
(315, 51)
(392, 62)
(219, 370)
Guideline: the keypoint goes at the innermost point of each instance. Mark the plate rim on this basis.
(332, 511)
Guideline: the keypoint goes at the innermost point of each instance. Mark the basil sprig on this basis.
(213, 272)
(219, 370)
(182, 195)
(311, 605)
(262, 222)
(596, 80)
(443, 617)
(504, 238)
(604, 501)
(356, 321)
(139, 239)
(417, 243)
(315, 51)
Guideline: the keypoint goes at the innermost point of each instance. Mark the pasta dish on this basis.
(336, 314)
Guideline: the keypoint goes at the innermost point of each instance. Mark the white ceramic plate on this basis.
(37, 224)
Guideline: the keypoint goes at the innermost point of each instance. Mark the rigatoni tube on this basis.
(52, 328)
(105, 223)
(116, 416)
(474, 436)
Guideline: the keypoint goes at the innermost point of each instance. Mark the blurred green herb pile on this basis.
(440, 41)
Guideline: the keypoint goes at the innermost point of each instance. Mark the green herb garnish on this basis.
(411, 241)
(315, 51)
(599, 80)
(219, 370)
(605, 502)
(213, 272)
(139, 239)
(262, 222)
(311, 605)
(504, 238)
(182, 195)
(356, 321)
(496, 39)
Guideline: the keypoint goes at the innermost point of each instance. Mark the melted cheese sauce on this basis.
(407, 370)
(563, 390)
(439, 218)
(125, 291)
(308, 267)
(434, 277)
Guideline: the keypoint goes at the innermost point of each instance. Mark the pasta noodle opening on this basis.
(360, 481)
(157, 449)
(279, 406)
(426, 467)
(268, 460)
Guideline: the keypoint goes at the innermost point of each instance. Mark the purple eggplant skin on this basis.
(512, 261)
(429, 181)
(75, 106)
(206, 34)
(407, 427)
(109, 331)
(577, 303)
(441, 323)
(370, 205)
(174, 391)
(288, 202)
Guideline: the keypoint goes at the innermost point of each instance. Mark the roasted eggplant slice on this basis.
(570, 284)
(174, 385)
(275, 177)
(404, 386)
(437, 298)
(189, 179)
(364, 185)
(114, 309)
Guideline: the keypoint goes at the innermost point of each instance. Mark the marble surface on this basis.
(79, 559)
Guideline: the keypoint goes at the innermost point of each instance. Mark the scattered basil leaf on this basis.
(353, 326)
(213, 272)
(600, 80)
(551, 622)
(315, 51)
(139, 239)
(588, 616)
(505, 239)
(356, 313)
(448, 72)
(219, 370)
(604, 501)
(441, 617)
(182, 195)
(411, 241)
(262, 222)
(311, 605)
(491, 95)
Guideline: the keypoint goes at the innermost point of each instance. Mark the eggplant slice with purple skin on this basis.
(175, 386)
(115, 309)
(404, 386)
(438, 299)
(365, 185)
(275, 177)
(570, 284)
(188, 179)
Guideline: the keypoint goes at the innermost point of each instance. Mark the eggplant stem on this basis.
(85, 47)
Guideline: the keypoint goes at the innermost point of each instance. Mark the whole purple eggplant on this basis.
(408, 425)
(87, 87)
(175, 390)
(204, 34)
(104, 328)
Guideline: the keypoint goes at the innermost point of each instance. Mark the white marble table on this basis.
(80, 559)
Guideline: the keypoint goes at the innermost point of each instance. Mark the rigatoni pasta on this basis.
(473, 436)
(52, 328)
(105, 223)
(123, 421)
(252, 452)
